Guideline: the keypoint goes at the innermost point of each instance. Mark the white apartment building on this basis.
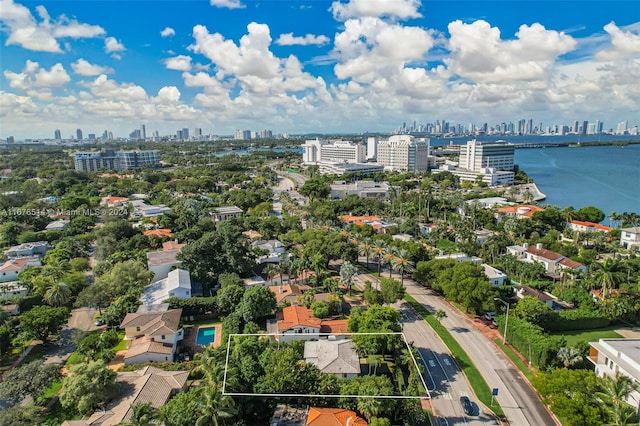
(618, 356)
(476, 156)
(490, 176)
(361, 188)
(404, 153)
(372, 148)
(337, 151)
(630, 237)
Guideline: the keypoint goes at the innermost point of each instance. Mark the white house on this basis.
(57, 225)
(11, 268)
(297, 323)
(336, 357)
(361, 188)
(460, 257)
(11, 289)
(589, 227)
(153, 333)
(618, 356)
(630, 237)
(177, 284)
(496, 277)
(160, 262)
(39, 248)
(227, 212)
(274, 250)
(554, 263)
(142, 209)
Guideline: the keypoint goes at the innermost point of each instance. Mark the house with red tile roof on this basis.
(333, 417)
(554, 263)
(11, 268)
(523, 211)
(160, 233)
(298, 323)
(288, 292)
(580, 226)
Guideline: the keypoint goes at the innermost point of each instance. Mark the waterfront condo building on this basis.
(404, 153)
(477, 155)
(318, 151)
(128, 160)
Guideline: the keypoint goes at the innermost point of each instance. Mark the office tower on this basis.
(477, 155)
(576, 125)
(143, 132)
(528, 129)
(197, 132)
(135, 135)
(179, 135)
(591, 129)
(585, 125)
(92, 136)
(105, 135)
(110, 136)
(405, 153)
(10, 140)
(266, 134)
(622, 127)
(57, 135)
(185, 134)
(599, 126)
(79, 134)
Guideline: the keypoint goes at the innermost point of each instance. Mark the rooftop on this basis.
(297, 316)
(162, 257)
(154, 323)
(333, 417)
(333, 356)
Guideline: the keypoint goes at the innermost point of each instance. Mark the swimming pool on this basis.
(206, 336)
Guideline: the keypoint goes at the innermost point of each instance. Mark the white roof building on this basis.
(333, 357)
(176, 284)
(618, 356)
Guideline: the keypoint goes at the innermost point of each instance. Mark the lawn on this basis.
(575, 336)
(122, 345)
(479, 385)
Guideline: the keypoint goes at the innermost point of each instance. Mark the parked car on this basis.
(99, 322)
(466, 405)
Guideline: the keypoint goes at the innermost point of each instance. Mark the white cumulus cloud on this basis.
(168, 32)
(180, 63)
(84, 67)
(229, 4)
(24, 31)
(624, 43)
(290, 40)
(112, 45)
(402, 9)
(33, 76)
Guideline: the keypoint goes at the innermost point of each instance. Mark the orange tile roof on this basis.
(283, 291)
(570, 263)
(348, 218)
(333, 326)
(514, 209)
(171, 245)
(163, 232)
(333, 417)
(297, 316)
(592, 225)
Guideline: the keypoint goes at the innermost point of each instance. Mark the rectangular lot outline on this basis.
(289, 395)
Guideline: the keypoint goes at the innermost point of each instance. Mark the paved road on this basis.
(445, 381)
(518, 401)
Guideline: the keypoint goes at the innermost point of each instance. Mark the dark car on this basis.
(466, 405)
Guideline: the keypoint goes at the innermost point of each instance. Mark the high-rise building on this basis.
(372, 147)
(585, 125)
(337, 151)
(143, 132)
(128, 160)
(576, 126)
(477, 155)
(404, 153)
(197, 132)
(92, 136)
(10, 140)
(185, 134)
(79, 134)
(57, 135)
(179, 135)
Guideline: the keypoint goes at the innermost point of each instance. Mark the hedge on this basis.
(578, 319)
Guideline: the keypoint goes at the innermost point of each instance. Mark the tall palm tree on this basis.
(57, 294)
(347, 272)
(369, 407)
(365, 249)
(569, 356)
(318, 263)
(389, 257)
(213, 408)
(607, 274)
(402, 262)
(379, 248)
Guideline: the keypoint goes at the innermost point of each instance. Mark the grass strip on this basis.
(479, 385)
(522, 366)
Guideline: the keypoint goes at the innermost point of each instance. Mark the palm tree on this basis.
(142, 414)
(369, 407)
(389, 257)
(439, 315)
(57, 294)
(318, 262)
(378, 248)
(347, 272)
(402, 262)
(607, 274)
(365, 249)
(569, 357)
(213, 407)
(613, 393)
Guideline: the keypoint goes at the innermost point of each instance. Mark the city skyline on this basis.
(313, 66)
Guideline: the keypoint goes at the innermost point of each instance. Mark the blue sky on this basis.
(313, 66)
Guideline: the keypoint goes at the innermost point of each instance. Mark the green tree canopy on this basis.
(28, 380)
(88, 387)
(43, 321)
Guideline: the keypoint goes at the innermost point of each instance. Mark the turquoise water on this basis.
(206, 335)
(607, 177)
